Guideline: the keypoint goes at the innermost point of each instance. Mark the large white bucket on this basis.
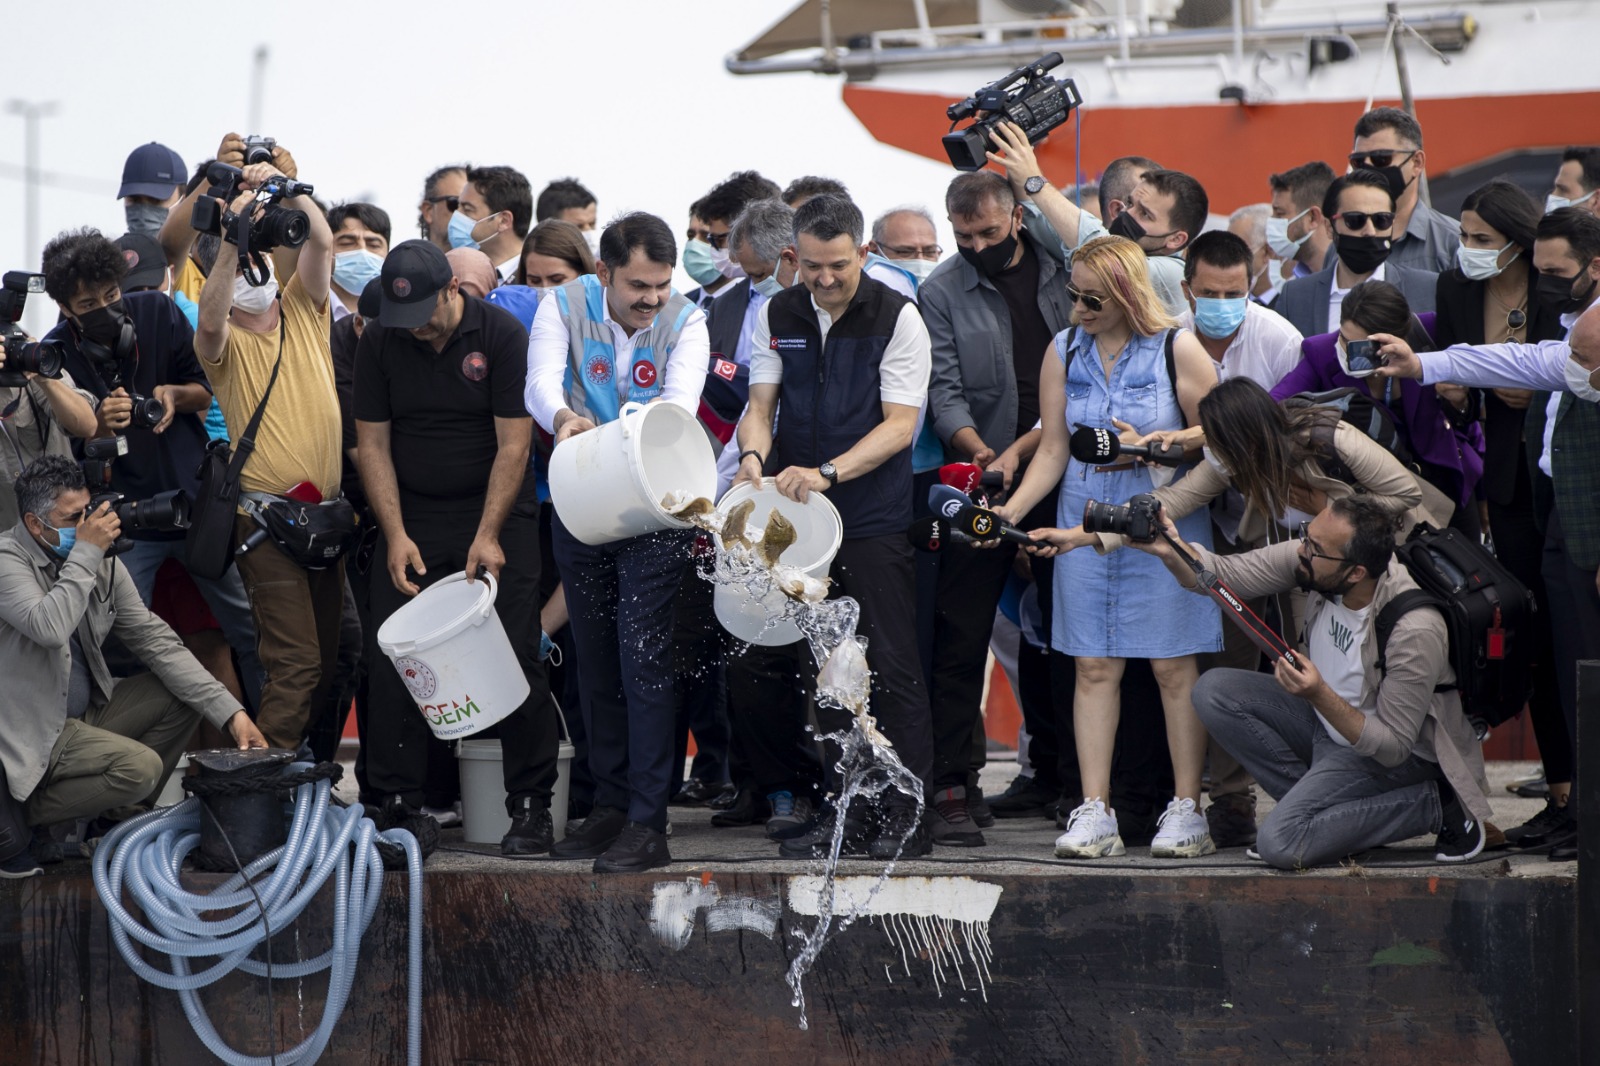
(483, 790)
(818, 533)
(454, 656)
(607, 483)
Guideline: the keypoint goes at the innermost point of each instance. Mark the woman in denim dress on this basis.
(1110, 370)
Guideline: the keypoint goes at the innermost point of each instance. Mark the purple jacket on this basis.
(1454, 454)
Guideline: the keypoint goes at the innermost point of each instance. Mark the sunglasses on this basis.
(1377, 160)
(1311, 549)
(718, 240)
(452, 202)
(1093, 303)
(1356, 220)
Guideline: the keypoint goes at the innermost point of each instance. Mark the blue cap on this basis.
(521, 300)
(152, 170)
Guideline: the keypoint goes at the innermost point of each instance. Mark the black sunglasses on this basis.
(1093, 303)
(1356, 220)
(1377, 160)
(452, 202)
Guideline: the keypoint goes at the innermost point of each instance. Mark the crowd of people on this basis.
(426, 381)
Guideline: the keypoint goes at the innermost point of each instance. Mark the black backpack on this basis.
(1359, 410)
(1487, 612)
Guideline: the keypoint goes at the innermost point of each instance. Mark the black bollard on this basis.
(240, 805)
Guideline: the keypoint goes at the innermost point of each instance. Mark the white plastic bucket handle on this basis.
(478, 613)
(632, 407)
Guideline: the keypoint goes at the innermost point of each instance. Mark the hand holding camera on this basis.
(1393, 356)
(1013, 152)
(101, 526)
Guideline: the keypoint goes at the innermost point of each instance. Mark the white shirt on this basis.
(508, 269)
(1336, 295)
(902, 373)
(545, 393)
(1335, 648)
(1265, 348)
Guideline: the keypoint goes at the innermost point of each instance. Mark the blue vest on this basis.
(590, 383)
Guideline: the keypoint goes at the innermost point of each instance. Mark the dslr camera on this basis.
(278, 226)
(147, 410)
(258, 149)
(1027, 96)
(1139, 519)
(163, 512)
(22, 355)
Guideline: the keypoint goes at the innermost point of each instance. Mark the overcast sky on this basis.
(630, 96)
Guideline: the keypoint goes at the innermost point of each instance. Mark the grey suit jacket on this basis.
(1304, 301)
(41, 608)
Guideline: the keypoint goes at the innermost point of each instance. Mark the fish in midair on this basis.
(733, 526)
(779, 534)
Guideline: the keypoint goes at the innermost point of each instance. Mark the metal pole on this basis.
(258, 88)
(1406, 100)
(1238, 41)
(1587, 798)
(1122, 27)
(31, 112)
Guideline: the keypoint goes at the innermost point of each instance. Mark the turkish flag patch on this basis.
(725, 370)
(644, 374)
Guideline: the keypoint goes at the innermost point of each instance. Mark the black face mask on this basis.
(1396, 179)
(1556, 294)
(103, 325)
(1125, 225)
(993, 259)
(1361, 254)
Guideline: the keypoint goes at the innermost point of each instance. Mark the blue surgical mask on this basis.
(461, 228)
(66, 537)
(769, 285)
(700, 263)
(353, 269)
(1219, 318)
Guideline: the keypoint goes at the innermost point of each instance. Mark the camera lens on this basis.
(1105, 517)
(35, 357)
(163, 511)
(282, 228)
(257, 153)
(147, 412)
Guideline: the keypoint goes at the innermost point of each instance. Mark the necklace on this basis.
(1516, 317)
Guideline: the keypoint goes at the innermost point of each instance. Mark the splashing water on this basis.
(748, 558)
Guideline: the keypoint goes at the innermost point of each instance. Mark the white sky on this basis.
(629, 96)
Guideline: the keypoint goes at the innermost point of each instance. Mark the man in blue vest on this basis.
(621, 335)
(848, 359)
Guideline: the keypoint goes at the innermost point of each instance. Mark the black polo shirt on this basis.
(163, 355)
(342, 342)
(441, 406)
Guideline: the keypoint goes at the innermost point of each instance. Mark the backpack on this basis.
(1487, 612)
(1359, 410)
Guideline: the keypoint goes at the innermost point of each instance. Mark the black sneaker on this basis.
(895, 833)
(1025, 798)
(978, 808)
(45, 848)
(1461, 836)
(20, 865)
(1552, 827)
(817, 839)
(745, 809)
(949, 822)
(637, 848)
(593, 837)
(531, 831)
(1232, 821)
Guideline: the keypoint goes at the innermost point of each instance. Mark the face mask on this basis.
(66, 537)
(917, 268)
(1579, 381)
(1278, 236)
(700, 263)
(352, 270)
(725, 265)
(254, 299)
(1556, 294)
(1556, 203)
(993, 259)
(769, 285)
(1217, 317)
(145, 218)
(1481, 264)
(1396, 179)
(592, 239)
(461, 228)
(103, 325)
(1125, 225)
(1362, 254)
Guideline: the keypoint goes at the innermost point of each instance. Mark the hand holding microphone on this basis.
(970, 477)
(1102, 447)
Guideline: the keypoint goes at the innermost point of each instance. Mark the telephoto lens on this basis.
(163, 512)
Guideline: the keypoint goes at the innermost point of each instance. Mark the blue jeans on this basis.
(1332, 801)
(225, 597)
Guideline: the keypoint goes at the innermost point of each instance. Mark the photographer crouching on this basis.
(263, 343)
(1362, 744)
(75, 743)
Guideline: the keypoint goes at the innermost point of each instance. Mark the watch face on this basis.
(1033, 184)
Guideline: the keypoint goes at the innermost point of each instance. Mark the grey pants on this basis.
(1331, 801)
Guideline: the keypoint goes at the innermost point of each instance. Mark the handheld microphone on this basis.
(945, 500)
(980, 523)
(933, 534)
(1101, 447)
(969, 477)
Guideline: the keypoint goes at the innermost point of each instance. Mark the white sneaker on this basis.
(1091, 833)
(445, 816)
(1182, 832)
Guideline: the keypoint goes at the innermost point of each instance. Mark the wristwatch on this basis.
(829, 471)
(1034, 184)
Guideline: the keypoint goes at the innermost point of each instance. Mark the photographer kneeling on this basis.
(74, 743)
(1358, 744)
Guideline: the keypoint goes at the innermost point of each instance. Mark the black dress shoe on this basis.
(694, 793)
(1551, 827)
(531, 831)
(44, 847)
(1565, 852)
(746, 809)
(724, 799)
(1025, 798)
(638, 848)
(593, 836)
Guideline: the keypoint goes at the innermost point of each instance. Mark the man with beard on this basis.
(1361, 740)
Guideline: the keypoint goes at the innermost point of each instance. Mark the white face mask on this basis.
(254, 299)
(725, 264)
(1580, 381)
(592, 238)
(917, 268)
(1556, 203)
(1481, 264)
(1278, 236)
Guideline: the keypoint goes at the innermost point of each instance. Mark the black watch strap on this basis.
(752, 451)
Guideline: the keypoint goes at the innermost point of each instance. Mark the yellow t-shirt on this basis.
(299, 435)
(189, 279)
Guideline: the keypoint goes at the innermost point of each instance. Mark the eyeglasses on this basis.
(452, 202)
(1377, 160)
(1305, 542)
(1093, 303)
(717, 240)
(1356, 220)
(913, 251)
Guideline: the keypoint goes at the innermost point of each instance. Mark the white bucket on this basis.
(483, 789)
(454, 657)
(172, 792)
(607, 483)
(818, 533)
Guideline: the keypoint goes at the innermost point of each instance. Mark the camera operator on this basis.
(244, 330)
(75, 743)
(1357, 756)
(38, 418)
(135, 353)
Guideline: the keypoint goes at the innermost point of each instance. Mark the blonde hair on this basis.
(1120, 265)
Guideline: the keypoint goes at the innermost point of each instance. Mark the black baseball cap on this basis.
(414, 273)
(370, 300)
(147, 263)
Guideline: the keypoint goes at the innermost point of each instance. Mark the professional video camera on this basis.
(278, 227)
(1139, 519)
(163, 512)
(22, 355)
(1038, 104)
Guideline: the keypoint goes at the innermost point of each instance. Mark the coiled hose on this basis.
(143, 856)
